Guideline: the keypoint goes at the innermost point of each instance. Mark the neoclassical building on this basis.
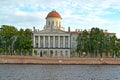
(53, 40)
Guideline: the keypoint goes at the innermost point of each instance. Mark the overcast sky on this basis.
(78, 14)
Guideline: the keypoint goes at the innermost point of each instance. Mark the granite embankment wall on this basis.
(46, 60)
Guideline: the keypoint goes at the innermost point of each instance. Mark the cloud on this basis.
(82, 14)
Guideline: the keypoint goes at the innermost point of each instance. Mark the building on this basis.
(53, 40)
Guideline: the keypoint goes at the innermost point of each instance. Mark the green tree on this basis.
(117, 48)
(96, 43)
(20, 41)
(21, 45)
(24, 41)
(6, 34)
(82, 41)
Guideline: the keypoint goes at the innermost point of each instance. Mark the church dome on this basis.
(53, 14)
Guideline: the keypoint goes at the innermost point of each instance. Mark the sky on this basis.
(76, 14)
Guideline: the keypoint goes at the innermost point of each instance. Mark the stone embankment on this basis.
(66, 61)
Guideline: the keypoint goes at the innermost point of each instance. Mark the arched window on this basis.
(52, 23)
(57, 23)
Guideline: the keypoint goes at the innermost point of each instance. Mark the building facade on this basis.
(52, 41)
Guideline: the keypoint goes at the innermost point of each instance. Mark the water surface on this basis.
(59, 72)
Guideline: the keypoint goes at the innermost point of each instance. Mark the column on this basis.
(43, 41)
(49, 42)
(38, 41)
(53, 41)
(63, 41)
(58, 41)
(33, 40)
(68, 41)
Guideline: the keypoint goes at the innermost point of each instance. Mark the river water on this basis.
(59, 72)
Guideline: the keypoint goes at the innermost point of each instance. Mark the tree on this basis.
(82, 41)
(6, 34)
(117, 48)
(20, 41)
(51, 53)
(10, 44)
(1, 50)
(97, 43)
(24, 41)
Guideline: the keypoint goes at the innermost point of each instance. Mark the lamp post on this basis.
(84, 53)
(14, 37)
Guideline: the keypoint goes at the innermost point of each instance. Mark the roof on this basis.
(53, 14)
(75, 32)
(79, 32)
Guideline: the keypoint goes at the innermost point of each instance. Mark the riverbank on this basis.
(51, 61)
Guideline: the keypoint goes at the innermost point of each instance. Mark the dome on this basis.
(53, 14)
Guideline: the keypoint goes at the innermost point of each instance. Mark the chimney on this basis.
(68, 29)
(33, 28)
(75, 30)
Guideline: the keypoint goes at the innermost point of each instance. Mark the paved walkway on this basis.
(47, 60)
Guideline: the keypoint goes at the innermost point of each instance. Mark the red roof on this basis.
(54, 14)
(75, 32)
(78, 32)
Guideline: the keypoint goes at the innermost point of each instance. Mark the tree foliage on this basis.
(98, 43)
(14, 41)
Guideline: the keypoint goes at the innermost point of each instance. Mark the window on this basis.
(66, 53)
(73, 38)
(55, 53)
(49, 23)
(51, 41)
(61, 53)
(36, 45)
(59, 24)
(52, 23)
(56, 23)
(46, 41)
(41, 41)
(36, 41)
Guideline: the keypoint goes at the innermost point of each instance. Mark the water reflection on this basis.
(59, 72)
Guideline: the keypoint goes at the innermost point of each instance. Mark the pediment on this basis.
(51, 31)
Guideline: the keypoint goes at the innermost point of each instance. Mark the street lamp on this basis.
(14, 39)
(84, 53)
